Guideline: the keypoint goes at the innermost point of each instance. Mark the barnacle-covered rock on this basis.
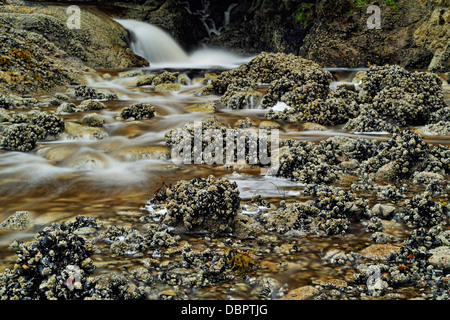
(305, 162)
(241, 99)
(438, 160)
(422, 211)
(138, 111)
(398, 157)
(90, 104)
(129, 241)
(295, 216)
(408, 98)
(53, 266)
(4, 116)
(392, 193)
(19, 118)
(6, 102)
(441, 128)
(337, 203)
(93, 120)
(21, 137)
(330, 213)
(203, 204)
(360, 149)
(145, 80)
(268, 67)
(332, 111)
(167, 87)
(20, 220)
(51, 124)
(212, 141)
(84, 92)
(165, 77)
(276, 90)
(66, 107)
(440, 115)
(369, 120)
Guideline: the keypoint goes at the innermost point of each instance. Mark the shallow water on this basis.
(66, 178)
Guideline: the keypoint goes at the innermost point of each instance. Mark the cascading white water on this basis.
(153, 43)
(161, 50)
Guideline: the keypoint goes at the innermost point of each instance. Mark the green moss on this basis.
(303, 14)
(393, 5)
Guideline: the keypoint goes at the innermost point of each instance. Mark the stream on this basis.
(112, 178)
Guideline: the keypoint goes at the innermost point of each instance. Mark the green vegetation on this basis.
(304, 13)
(362, 3)
(393, 5)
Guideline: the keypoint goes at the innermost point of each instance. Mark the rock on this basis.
(207, 90)
(58, 56)
(4, 116)
(203, 107)
(138, 111)
(330, 282)
(246, 123)
(441, 128)
(399, 157)
(241, 99)
(359, 76)
(434, 35)
(392, 228)
(56, 153)
(51, 124)
(90, 104)
(55, 265)
(66, 107)
(311, 126)
(383, 211)
(423, 211)
(18, 221)
(351, 164)
(145, 80)
(347, 86)
(210, 75)
(246, 227)
(84, 92)
(77, 131)
(440, 257)
(369, 120)
(302, 293)
(201, 204)
(133, 153)
(379, 251)
(165, 77)
(405, 97)
(440, 115)
(267, 124)
(167, 87)
(21, 137)
(183, 79)
(427, 177)
(93, 120)
(131, 74)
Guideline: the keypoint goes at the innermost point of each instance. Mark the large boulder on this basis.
(39, 53)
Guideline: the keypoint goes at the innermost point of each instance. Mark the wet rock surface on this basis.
(346, 216)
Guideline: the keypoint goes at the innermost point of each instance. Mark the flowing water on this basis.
(104, 178)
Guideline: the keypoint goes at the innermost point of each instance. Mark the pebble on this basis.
(301, 293)
(379, 251)
(440, 257)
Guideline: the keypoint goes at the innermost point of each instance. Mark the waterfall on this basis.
(161, 50)
(153, 43)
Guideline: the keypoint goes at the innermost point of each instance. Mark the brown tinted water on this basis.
(63, 179)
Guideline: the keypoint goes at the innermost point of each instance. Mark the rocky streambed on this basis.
(94, 205)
